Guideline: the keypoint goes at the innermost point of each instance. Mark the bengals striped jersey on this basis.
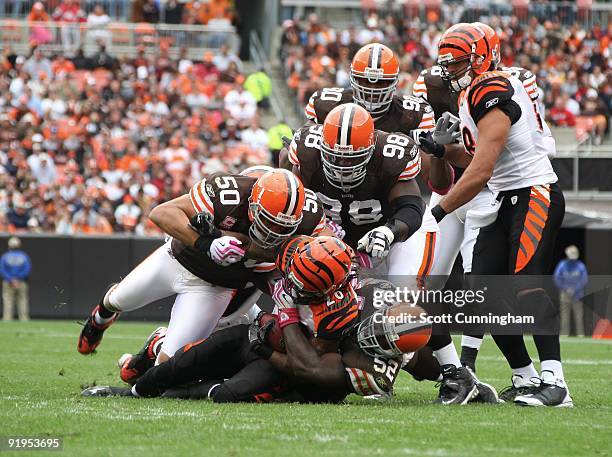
(359, 210)
(524, 160)
(225, 198)
(431, 87)
(405, 114)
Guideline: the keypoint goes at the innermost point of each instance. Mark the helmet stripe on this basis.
(375, 56)
(292, 196)
(345, 125)
(335, 258)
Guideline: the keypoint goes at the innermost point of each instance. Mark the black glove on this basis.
(258, 336)
(429, 146)
(204, 224)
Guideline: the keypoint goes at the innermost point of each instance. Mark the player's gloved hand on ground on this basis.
(226, 250)
(377, 242)
(447, 129)
(336, 228)
(203, 223)
(287, 309)
(258, 337)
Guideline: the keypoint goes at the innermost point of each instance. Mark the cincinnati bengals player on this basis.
(507, 147)
(236, 364)
(458, 232)
(204, 263)
(374, 75)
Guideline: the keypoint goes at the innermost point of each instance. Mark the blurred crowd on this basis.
(91, 144)
(203, 12)
(572, 64)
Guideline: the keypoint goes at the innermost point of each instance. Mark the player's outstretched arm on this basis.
(493, 131)
(173, 216)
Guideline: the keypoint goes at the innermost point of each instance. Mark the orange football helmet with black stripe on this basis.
(317, 269)
(374, 77)
(347, 146)
(256, 171)
(494, 44)
(275, 207)
(463, 52)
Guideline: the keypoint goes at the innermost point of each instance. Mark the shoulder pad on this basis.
(488, 91)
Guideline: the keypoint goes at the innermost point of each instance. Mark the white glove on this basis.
(447, 129)
(226, 250)
(377, 242)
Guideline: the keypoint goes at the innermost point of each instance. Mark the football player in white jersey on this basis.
(507, 146)
(458, 233)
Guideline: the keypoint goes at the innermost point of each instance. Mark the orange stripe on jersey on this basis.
(428, 257)
(419, 90)
(357, 379)
(194, 202)
(411, 170)
(264, 267)
(195, 343)
(293, 157)
(533, 226)
(320, 226)
(481, 92)
(529, 84)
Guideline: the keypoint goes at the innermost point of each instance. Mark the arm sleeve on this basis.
(199, 198)
(419, 89)
(309, 111)
(493, 92)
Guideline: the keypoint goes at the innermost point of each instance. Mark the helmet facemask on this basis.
(376, 336)
(370, 92)
(344, 167)
(267, 230)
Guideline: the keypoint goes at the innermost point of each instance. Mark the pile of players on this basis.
(343, 209)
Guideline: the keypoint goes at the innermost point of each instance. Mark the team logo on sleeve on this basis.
(209, 190)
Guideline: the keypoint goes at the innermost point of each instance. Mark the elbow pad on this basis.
(409, 210)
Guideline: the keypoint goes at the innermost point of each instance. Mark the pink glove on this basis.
(226, 250)
(287, 310)
(336, 229)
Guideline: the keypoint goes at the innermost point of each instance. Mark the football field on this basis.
(41, 377)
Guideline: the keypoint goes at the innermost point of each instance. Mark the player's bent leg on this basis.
(256, 378)
(151, 280)
(134, 366)
(218, 357)
(194, 316)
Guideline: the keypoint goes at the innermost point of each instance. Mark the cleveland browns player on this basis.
(359, 354)
(374, 75)
(508, 147)
(204, 263)
(458, 232)
(365, 180)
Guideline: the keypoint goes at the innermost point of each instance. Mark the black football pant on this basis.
(519, 244)
(223, 358)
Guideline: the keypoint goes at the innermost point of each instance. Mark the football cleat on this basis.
(107, 391)
(457, 387)
(132, 367)
(92, 333)
(486, 392)
(550, 392)
(519, 387)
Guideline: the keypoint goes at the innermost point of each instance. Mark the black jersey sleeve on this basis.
(489, 91)
(304, 151)
(400, 157)
(325, 100)
(313, 217)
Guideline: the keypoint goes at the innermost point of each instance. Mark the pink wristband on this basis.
(287, 317)
(445, 190)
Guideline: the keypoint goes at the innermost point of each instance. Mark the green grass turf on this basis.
(41, 375)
